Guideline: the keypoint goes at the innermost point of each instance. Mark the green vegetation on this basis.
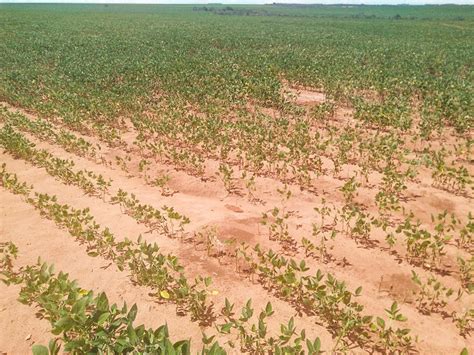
(84, 62)
(86, 323)
(211, 96)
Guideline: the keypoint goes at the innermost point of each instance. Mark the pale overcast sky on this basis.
(368, 2)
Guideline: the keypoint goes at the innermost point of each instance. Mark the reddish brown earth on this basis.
(383, 277)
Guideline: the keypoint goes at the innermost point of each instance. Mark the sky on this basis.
(368, 2)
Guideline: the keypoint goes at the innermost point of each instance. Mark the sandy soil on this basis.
(383, 276)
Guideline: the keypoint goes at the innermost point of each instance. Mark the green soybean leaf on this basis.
(40, 350)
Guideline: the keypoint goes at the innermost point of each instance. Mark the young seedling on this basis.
(278, 229)
(464, 321)
(324, 211)
(466, 272)
(432, 296)
(122, 162)
(349, 190)
(466, 235)
(250, 186)
(393, 340)
(103, 185)
(161, 182)
(144, 168)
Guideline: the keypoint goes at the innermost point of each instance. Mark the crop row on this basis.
(149, 267)
(167, 221)
(45, 130)
(63, 169)
(144, 260)
(87, 323)
(293, 156)
(289, 149)
(164, 274)
(419, 244)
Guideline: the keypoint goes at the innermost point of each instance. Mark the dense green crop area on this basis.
(91, 61)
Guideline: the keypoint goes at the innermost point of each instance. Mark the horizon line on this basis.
(241, 2)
